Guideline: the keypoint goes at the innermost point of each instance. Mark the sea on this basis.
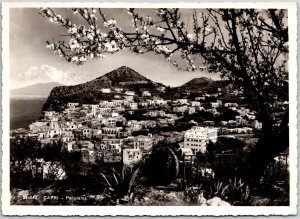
(25, 109)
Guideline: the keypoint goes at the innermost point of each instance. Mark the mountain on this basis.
(122, 74)
(203, 85)
(40, 89)
(128, 79)
(90, 92)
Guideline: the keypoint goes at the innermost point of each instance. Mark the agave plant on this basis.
(219, 189)
(120, 187)
(238, 192)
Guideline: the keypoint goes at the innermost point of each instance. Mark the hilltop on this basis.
(122, 74)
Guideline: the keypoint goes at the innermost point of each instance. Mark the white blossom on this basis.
(208, 30)
(74, 59)
(111, 46)
(110, 22)
(50, 46)
(73, 30)
(74, 44)
(90, 36)
(93, 16)
(190, 36)
(160, 29)
(82, 59)
(144, 36)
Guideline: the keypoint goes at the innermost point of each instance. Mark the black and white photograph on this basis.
(120, 108)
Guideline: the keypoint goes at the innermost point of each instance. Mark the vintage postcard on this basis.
(149, 109)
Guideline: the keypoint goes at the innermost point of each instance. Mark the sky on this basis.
(31, 62)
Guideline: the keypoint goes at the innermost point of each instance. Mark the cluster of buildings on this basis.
(103, 133)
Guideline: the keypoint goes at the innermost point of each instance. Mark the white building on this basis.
(195, 103)
(200, 98)
(198, 137)
(38, 126)
(106, 90)
(256, 124)
(182, 101)
(133, 105)
(146, 93)
(132, 156)
(180, 109)
(119, 90)
(191, 110)
(150, 102)
(87, 132)
(160, 102)
(143, 104)
(111, 130)
(49, 114)
(97, 132)
(144, 143)
(128, 98)
(215, 104)
(118, 102)
(116, 148)
(71, 126)
(115, 114)
(67, 136)
(54, 133)
(187, 152)
(130, 93)
(69, 145)
(72, 105)
(231, 105)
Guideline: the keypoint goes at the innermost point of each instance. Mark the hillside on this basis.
(128, 79)
(90, 92)
(40, 89)
(203, 85)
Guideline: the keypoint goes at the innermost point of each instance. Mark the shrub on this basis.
(191, 194)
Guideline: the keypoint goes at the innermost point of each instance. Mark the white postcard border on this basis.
(8, 209)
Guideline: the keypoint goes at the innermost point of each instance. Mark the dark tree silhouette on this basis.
(226, 145)
(247, 46)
